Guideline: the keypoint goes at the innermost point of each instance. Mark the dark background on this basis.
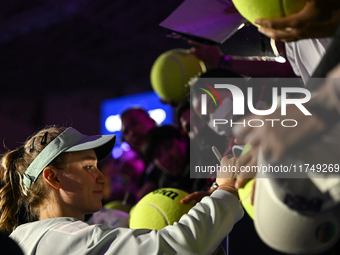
(60, 59)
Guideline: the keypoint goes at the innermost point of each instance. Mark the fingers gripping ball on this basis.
(172, 71)
(245, 192)
(159, 208)
(267, 9)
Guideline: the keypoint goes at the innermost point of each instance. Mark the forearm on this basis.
(198, 232)
(205, 226)
(325, 102)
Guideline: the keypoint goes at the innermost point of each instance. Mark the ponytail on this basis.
(13, 192)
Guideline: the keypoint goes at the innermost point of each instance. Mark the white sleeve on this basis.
(305, 55)
(198, 232)
(291, 56)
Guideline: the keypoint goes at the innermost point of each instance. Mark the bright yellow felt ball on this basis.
(245, 197)
(172, 71)
(245, 192)
(158, 209)
(246, 148)
(267, 9)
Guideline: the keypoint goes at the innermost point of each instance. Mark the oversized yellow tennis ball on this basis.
(245, 192)
(158, 209)
(246, 148)
(245, 197)
(172, 71)
(267, 9)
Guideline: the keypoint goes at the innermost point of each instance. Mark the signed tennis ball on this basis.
(267, 9)
(159, 208)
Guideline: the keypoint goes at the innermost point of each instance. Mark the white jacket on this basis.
(198, 232)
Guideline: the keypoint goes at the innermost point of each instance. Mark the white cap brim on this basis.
(288, 230)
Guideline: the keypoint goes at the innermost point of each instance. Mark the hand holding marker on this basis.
(245, 193)
(223, 180)
(217, 153)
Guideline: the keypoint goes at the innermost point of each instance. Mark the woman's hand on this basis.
(196, 196)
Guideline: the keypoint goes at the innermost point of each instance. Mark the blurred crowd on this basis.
(164, 156)
(164, 151)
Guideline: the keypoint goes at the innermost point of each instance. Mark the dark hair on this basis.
(134, 109)
(13, 165)
(160, 135)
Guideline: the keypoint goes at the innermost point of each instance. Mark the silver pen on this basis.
(217, 153)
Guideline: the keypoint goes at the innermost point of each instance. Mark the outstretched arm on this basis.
(276, 140)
